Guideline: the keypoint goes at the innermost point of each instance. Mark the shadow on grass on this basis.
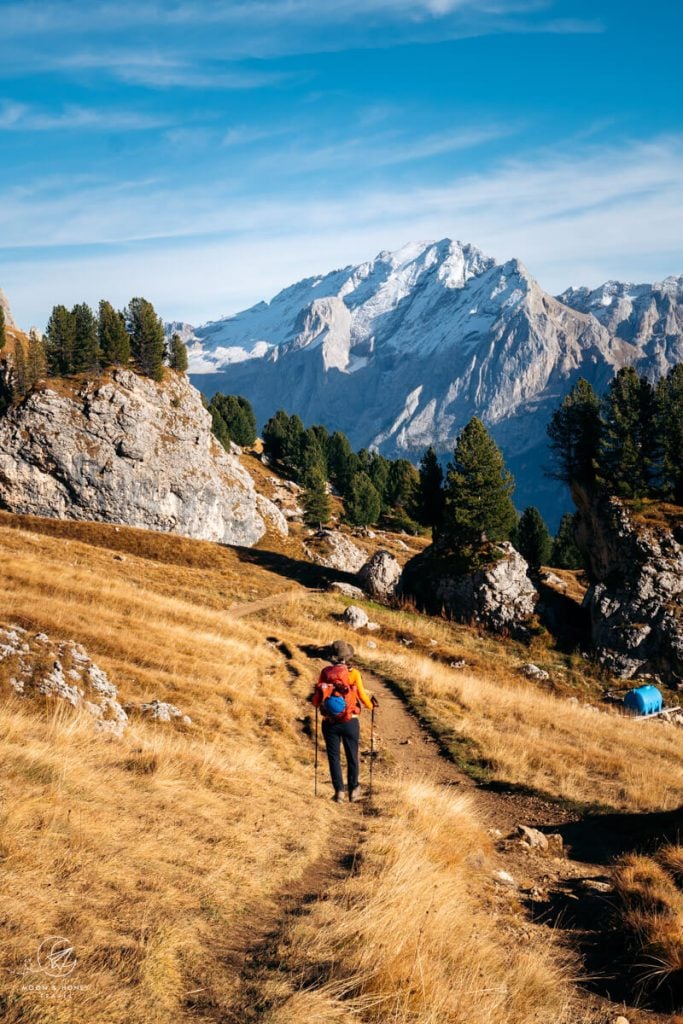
(315, 577)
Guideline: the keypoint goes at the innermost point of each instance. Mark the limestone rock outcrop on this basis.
(334, 550)
(380, 575)
(35, 666)
(636, 597)
(499, 595)
(125, 449)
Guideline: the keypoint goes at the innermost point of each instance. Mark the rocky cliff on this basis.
(125, 449)
(636, 598)
(499, 595)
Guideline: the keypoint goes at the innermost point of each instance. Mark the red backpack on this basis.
(338, 695)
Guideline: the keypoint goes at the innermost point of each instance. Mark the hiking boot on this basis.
(354, 794)
(339, 796)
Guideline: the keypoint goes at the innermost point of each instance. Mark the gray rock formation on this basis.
(4, 302)
(162, 711)
(355, 617)
(128, 450)
(500, 595)
(333, 550)
(380, 575)
(37, 666)
(636, 599)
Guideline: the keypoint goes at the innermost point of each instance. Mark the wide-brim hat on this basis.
(341, 651)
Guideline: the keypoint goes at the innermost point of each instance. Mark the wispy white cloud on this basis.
(20, 117)
(580, 218)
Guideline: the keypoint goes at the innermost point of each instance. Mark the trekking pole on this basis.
(372, 744)
(315, 787)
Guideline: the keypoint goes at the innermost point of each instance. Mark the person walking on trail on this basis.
(339, 694)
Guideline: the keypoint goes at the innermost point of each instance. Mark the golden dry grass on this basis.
(418, 935)
(160, 856)
(519, 732)
(650, 912)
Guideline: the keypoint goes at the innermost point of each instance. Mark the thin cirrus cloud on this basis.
(21, 117)
(199, 253)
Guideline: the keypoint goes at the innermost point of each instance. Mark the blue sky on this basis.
(206, 154)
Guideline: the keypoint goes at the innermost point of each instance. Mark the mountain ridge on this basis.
(400, 351)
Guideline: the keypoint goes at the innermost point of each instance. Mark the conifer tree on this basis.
(3, 336)
(627, 455)
(86, 351)
(402, 486)
(60, 337)
(478, 489)
(177, 354)
(430, 500)
(275, 435)
(534, 542)
(36, 360)
(316, 500)
(293, 446)
(313, 464)
(341, 462)
(114, 340)
(565, 554)
(237, 417)
(363, 503)
(670, 433)
(379, 474)
(20, 381)
(574, 433)
(146, 338)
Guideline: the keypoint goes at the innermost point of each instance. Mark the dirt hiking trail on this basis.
(559, 891)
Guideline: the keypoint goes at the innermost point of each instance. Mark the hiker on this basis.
(339, 694)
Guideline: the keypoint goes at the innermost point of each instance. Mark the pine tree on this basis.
(363, 503)
(402, 486)
(534, 542)
(146, 338)
(3, 336)
(36, 360)
(275, 436)
(565, 554)
(237, 418)
(477, 498)
(86, 350)
(218, 426)
(177, 354)
(316, 501)
(627, 455)
(670, 433)
(293, 447)
(20, 380)
(574, 433)
(114, 340)
(313, 463)
(430, 500)
(60, 337)
(342, 462)
(379, 474)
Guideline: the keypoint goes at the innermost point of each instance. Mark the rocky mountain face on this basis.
(4, 302)
(128, 450)
(636, 599)
(401, 351)
(646, 316)
(499, 595)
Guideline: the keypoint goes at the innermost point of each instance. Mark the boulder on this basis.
(126, 449)
(499, 595)
(161, 711)
(380, 575)
(531, 837)
(636, 597)
(347, 589)
(36, 666)
(355, 617)
(532, 671)
(334, 550)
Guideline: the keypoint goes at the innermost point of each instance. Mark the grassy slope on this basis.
(156, 854)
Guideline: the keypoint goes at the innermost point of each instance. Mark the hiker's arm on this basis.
(317, 694)
(361, 690)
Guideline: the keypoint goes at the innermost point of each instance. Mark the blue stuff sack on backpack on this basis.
(334, 706)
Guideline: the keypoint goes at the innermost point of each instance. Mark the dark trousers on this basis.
(335, 734)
